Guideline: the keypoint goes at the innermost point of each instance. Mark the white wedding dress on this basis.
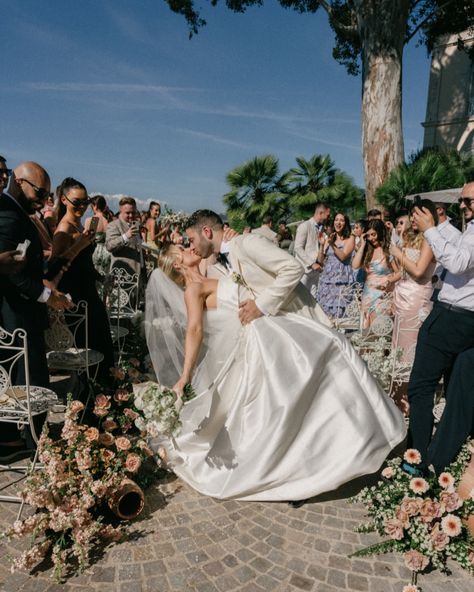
(285, 408)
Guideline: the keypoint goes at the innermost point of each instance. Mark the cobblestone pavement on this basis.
(187, 542)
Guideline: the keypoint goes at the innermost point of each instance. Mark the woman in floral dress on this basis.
(382, 272)
(335, 257)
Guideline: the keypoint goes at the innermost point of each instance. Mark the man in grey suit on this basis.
(307, 246)
(122, 238)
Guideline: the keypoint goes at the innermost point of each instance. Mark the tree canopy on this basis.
(426, 18)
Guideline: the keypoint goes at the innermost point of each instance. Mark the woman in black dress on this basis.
(80, 279)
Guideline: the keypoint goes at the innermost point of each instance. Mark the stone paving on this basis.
(186, 542)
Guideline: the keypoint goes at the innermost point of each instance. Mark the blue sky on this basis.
(113, 92)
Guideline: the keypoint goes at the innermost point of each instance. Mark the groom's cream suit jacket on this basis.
(273, 276)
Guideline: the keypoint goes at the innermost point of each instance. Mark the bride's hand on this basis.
(179, 387)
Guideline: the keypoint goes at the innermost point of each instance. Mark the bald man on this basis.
(25, 296)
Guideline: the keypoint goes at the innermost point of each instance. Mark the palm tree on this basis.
(427, 170)
(256, 190)
(317, 179)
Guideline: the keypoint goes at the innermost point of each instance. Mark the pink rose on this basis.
(410, 506)
(106, 439)
(133, 373)
(134, 362)
(75, 407)
(387, 473)
(130, 414)
(109, 425)
(403, 518)
(121, 396)
(416, 561)
(439, 539)
(107, 455)
(410, 588)
(394, 528)
(430, 510)
(92, 434)
(450, 501)
(122, 443)
(132, 462)
(471, 558)
(118, 373)
(101, 405)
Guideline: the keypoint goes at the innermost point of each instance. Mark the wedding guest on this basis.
(307, 246)
(412, 293)
(447, 332)
(335, 259)
(381, 272)
(401, 224)
(247, 230)
(101, 257)
(284, 236)
(5, 173)
(360, 227)
(122, 238)
(155, 231)
(79, 279)
(374, 214)
(266, 230)
(25, 296)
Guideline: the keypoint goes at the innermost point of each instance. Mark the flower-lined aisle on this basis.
(424, 518)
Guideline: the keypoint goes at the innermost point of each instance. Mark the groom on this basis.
(272, 275)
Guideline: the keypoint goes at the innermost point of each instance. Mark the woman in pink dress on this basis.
(412, 294)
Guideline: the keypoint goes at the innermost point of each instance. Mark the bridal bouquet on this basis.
(160, 407)
(423, 518)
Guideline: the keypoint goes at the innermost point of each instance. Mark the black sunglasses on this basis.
(79, 203)
(466, 201)
(41, 192)
(5, 172)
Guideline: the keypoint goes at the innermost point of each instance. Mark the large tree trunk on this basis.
(382, 27)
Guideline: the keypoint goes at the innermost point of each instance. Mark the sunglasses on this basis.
(41, 192)
(5, 172)
(466, 201)
(79, 203)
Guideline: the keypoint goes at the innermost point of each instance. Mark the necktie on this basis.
(223, 260)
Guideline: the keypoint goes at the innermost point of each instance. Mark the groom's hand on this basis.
(249, 311)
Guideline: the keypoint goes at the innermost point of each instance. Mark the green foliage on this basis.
(428, 170)
(351, 20)
(317, 179)
(258, 190)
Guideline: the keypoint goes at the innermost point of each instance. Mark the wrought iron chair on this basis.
(20, 404)
(67, 342)
(349, 317)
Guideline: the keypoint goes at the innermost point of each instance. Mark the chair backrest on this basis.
(13, 350)
(68, 329)
(123, 297)
(348, 307)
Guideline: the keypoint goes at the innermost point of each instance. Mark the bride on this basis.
(285, 408)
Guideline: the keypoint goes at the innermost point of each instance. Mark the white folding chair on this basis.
(19, 404)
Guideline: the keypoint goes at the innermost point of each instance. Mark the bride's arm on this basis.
(194, 298)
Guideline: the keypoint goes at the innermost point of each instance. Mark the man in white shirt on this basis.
(449, 329)
(306, 247)
(266, 230)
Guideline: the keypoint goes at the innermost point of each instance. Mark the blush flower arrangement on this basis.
(80, 471)
(424, 518)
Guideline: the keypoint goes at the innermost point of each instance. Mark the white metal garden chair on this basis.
(64, 350)
(348, 316)
(20, 404)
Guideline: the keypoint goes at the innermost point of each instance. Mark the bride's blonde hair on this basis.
(166, 261)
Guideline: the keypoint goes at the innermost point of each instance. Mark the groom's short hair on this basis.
(202, 218)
